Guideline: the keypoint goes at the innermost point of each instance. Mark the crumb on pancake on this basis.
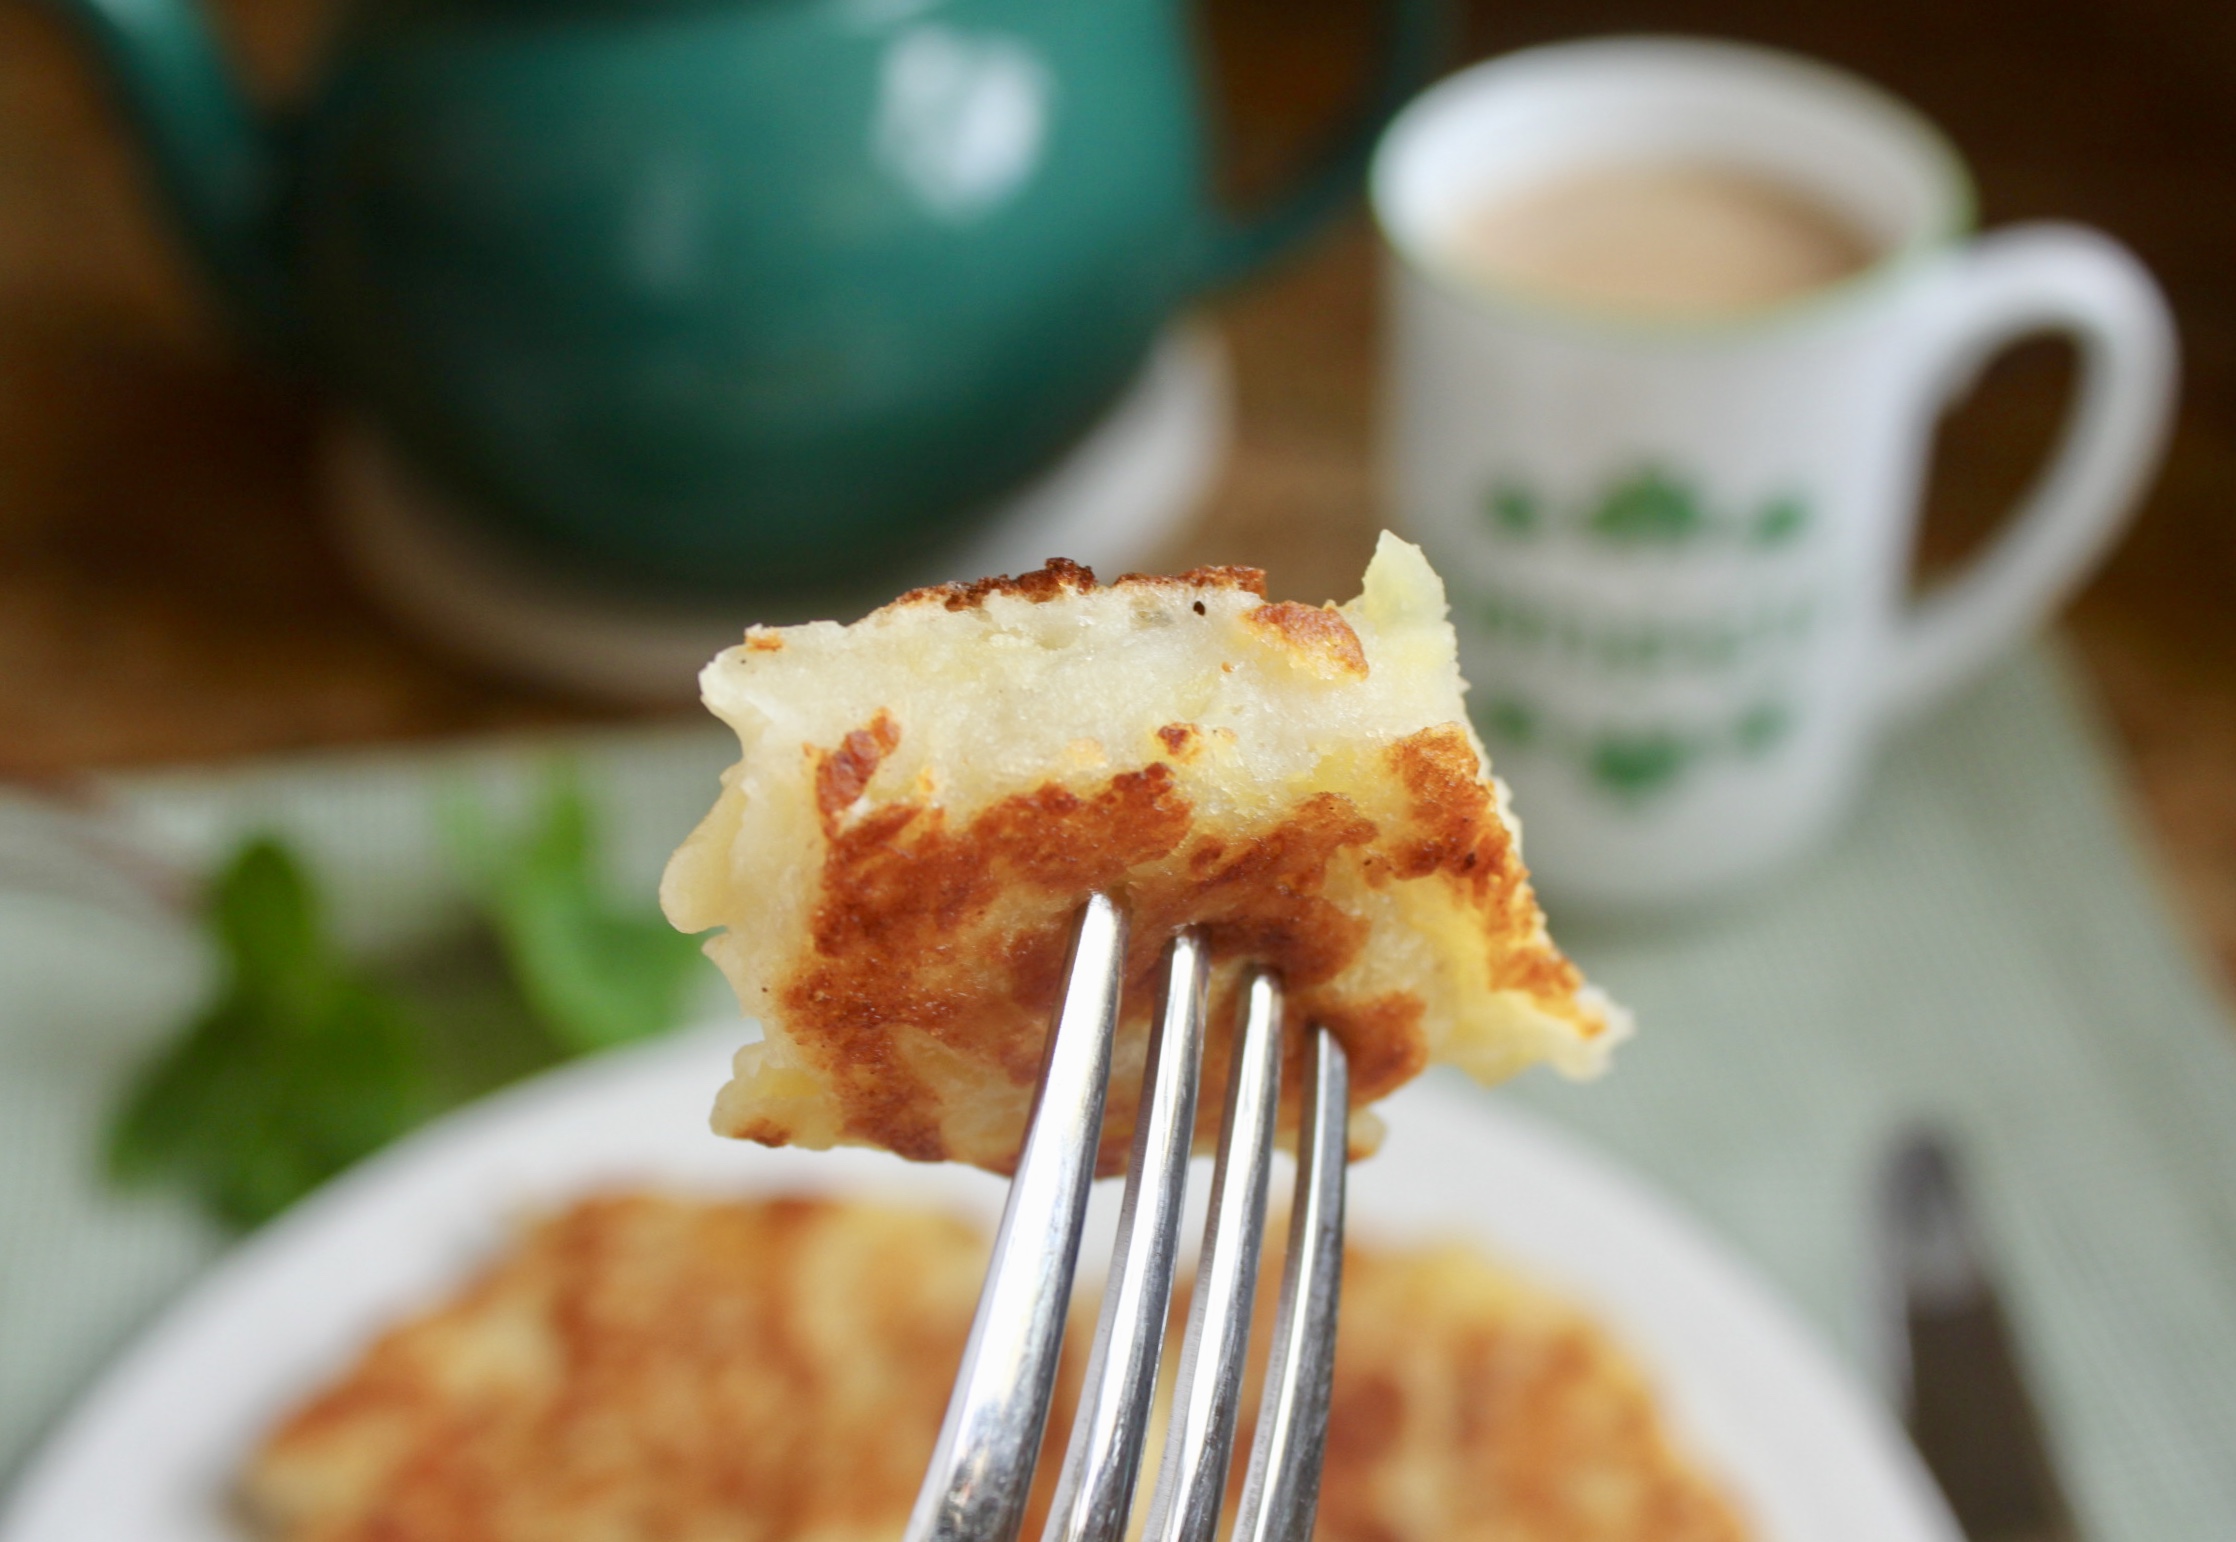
(924, 799)
(645, 1369)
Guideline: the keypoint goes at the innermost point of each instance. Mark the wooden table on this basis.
(166, 593)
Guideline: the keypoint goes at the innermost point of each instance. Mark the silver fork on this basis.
(982, 1470)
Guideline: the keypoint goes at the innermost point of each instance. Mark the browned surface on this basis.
(1501, 1413)
(643, 1368)
(961, 928)
(1318, 635)
(1062, 576)
(165, 594)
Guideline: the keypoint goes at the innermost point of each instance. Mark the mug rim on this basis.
(1955, 215)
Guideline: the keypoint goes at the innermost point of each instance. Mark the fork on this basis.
(981, 1472)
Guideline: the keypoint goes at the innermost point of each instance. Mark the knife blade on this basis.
(1957, 1371)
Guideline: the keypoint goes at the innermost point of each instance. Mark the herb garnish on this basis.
(308, 1061)
(301, 1067)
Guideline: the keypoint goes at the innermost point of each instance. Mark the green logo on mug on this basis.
(1650, 508)
(1635, 766)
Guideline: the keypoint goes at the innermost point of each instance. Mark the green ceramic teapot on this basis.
(732, 295)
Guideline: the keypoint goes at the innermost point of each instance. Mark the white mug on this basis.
(1676, 550)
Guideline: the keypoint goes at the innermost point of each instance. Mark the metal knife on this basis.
(1957, 1372)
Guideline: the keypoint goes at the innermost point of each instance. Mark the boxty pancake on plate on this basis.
(925, 798)
(642, 1368)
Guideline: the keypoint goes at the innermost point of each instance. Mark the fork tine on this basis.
(1200, 1440)
(1103, 1461)
(1283, 1488)
(981, 1471)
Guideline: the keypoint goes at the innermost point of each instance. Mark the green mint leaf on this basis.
(597, 973)
(299, 1068)
(266, 920)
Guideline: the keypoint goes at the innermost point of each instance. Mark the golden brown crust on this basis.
(1321, 640)
(642, 1369)
(639, 1369)
(1058, 578)
(904, 897)
(1062, 576)
(841, 774)
(1475, 1403)
(1469, 1406)
(1248, 580)
(963, 930)
(1459, 834)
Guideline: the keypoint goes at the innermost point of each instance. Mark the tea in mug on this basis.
(1677, 241)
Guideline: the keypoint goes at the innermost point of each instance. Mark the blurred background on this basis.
(167, 593)
(1985, 946)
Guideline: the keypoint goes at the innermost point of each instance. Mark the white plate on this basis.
(149, 1454)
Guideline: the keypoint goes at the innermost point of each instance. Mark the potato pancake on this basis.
(926, 798)
(643, 1368)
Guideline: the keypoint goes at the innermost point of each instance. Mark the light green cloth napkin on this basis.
(1984, 946)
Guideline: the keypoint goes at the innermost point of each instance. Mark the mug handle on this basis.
(2026, 280)
(1419, 33)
